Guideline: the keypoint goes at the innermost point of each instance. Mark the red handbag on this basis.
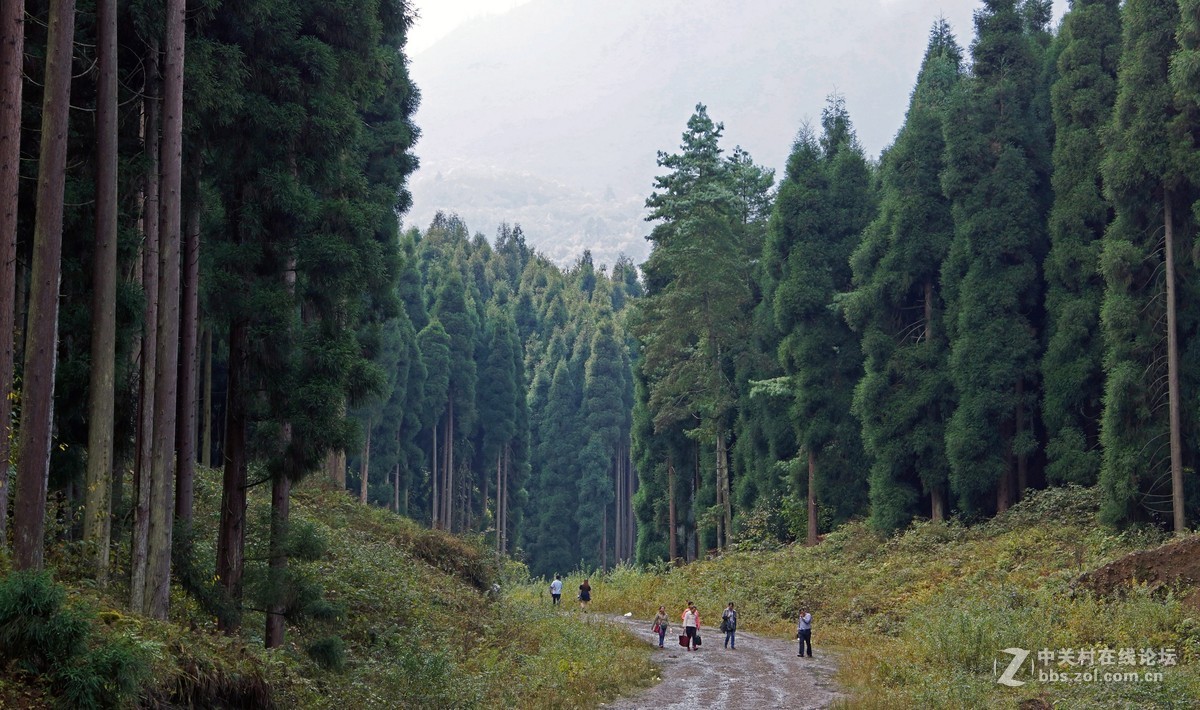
(683, 640)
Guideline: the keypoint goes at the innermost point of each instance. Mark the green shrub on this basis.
(328, 653)
(34, 627)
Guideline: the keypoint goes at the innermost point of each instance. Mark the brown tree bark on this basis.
(281, 491)
(97, 517)
(231, 533)
(162, 484)
(37, 394)
(12, 53)
(149, 344)
(812, 500)
(1173, 405)
(185, 427)
(207, 423)
(672, 547)
(434, 501)
(366, 466)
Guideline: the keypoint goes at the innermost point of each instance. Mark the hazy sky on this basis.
(550, 112)
(436, 18)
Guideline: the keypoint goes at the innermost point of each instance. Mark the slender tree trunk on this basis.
(98, 490)
(434, 499)
(366, 466)
(1022, 458)
(37, 394)
(12, 53)
(723, 463)
(231, 534)
(812, 500)
(499, 459)
(190, 326)
(938, 504)
(450, 490)
(1177, 495)
(145, 430)
(207, 423)
(695, 496)
(672, 547)
(162, 493)
(281, 491)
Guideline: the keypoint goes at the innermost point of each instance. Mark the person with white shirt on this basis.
(691, 625)
(556, 590)
(804, 632)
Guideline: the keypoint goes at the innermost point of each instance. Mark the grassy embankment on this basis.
(405, 622)
(919, 620)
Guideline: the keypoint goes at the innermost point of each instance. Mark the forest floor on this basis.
(763, 672)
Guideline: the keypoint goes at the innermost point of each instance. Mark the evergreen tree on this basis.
(1148, 316)
(904, 394)
(1071, 369)
(991, 277)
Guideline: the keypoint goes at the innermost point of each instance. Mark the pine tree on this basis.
(1072, 371)
(12, 52)
(904, 394)
(991, 277)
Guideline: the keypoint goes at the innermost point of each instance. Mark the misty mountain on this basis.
(551, 115)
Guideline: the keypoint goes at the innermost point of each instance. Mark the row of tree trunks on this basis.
(12, 52)
(37, 395)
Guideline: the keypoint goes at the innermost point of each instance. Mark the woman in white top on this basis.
(691, 625)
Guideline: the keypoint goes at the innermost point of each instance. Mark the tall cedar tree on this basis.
(1149, 314)
(905, 393)
(1072, 373)
(12, 52)
(824, 203)
(991, 277)
(602, 416)
(41, 349)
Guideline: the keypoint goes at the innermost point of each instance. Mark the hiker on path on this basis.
(691, 625)
(804, 632)
(556, 590)
(585, 595)
(729, 626)
(660, 624)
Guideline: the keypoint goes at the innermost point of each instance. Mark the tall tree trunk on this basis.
(1022, 457)
(231, 533)
(616, 470)
(162, 493)
(365, 466)
(1173, 370)
(695, 497)
(37, 394)
(812, 499)
(434, 499)
(937, 494)
(12, 53)
(450, 468)
(207, 422)
(499, 460)
(672, 547)
(97, 527)
(281, 491)
(145, 429)
(727, 504)
(185, 436)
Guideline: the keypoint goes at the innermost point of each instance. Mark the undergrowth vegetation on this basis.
(382, 613)
(920, 619)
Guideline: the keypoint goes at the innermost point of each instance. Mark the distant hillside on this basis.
(561, 102)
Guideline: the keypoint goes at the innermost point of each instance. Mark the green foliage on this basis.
(83, 669)
(328, 653)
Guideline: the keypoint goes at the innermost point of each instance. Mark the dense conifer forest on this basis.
(203, 263)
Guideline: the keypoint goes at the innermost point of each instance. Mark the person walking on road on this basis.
(729, 626)
(660, 624)
(556, 590)
(691, 625)
(804, 632)
(585, 595)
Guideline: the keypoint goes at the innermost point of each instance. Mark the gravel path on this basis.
(761, 673)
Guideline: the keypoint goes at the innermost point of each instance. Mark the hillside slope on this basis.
(398, 616)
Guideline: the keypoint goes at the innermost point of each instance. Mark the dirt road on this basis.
(761, 673)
